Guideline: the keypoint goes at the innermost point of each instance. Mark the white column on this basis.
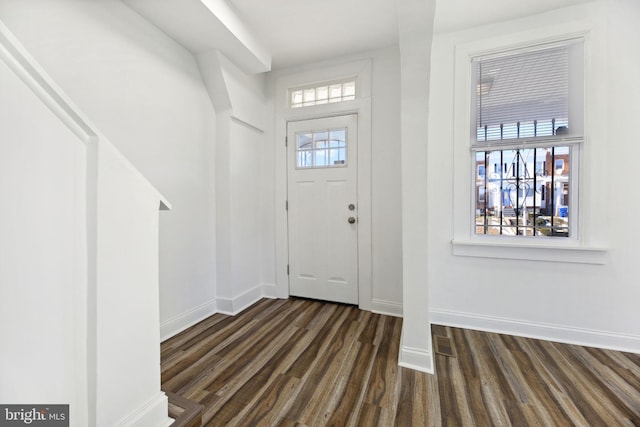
(416, 33)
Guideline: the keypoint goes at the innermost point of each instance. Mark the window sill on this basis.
(530, 252)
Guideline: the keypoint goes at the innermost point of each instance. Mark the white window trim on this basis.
(586, 245)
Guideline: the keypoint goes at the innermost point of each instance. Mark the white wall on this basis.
(239, 174)
(239, 228)
(145, 92)
(386, 197)
(246, 183)
(79, 276)
(124, 327)
(245, 210)
(43, 252)
(621, 290)
(584, 303)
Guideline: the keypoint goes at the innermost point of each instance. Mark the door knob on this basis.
(352, 220)
(351, 206)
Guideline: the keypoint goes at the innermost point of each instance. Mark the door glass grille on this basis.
(321, 149)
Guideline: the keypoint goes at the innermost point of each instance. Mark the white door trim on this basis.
(361, 106)
(325, 267)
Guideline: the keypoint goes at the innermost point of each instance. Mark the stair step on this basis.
(185, 412)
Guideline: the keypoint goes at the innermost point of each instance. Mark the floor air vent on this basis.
(443, 346)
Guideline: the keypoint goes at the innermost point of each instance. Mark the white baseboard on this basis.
(389, 308)
(415, 358)
(231, 306)
(269, 290)
(179, 323)
(235, 305)
(569, 335)
(153, 413)
(418, 359)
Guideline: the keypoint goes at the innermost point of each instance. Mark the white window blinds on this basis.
(525, 94)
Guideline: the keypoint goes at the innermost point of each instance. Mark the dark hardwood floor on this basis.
(308, 363)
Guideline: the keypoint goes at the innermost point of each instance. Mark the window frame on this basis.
(323, 101)
(572, 142)
(588, 241)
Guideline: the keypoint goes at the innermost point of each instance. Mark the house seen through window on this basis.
(528, 129)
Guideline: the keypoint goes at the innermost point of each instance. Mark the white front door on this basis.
(323, 208)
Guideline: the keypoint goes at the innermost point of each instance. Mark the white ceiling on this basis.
(453, 15)
(259, 34)
(205, 25)
(303, 31)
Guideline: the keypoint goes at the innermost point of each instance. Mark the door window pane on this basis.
(337, 138)
(321, 149)
(304, 140)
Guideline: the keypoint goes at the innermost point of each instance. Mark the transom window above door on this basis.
(325, 93)
(321, 149)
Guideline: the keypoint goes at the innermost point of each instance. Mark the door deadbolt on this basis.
(352, 220)
(351, 206)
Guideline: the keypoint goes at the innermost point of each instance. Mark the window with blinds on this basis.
(528, 94)
(528, 125)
